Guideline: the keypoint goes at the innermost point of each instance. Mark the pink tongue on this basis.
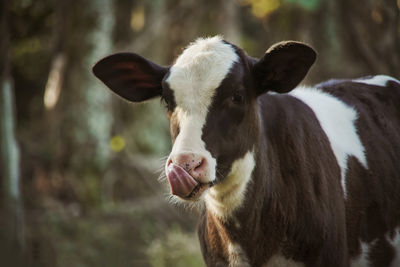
(181, 183)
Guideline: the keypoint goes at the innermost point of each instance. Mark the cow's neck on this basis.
(263, 214)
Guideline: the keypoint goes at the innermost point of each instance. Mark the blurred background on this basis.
(79, 166)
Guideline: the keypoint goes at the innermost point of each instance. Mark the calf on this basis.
(285, 176)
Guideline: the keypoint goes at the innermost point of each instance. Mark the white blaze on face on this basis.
(194, 78)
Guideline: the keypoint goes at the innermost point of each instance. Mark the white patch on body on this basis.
(237, 257)
(379, 80)
(194, 78)
(362, 259)
(222, 199)
(395, 242)
(279, 261)
(337, 119)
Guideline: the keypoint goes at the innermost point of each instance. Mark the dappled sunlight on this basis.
(117, 143)
(262, 8)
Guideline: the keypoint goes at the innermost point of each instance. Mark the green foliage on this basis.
(175, 249)
(114, 236)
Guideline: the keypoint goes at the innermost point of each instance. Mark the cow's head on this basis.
(211, 93)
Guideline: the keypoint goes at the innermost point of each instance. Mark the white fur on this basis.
(337, 120)
(237, 257)
(279, 261)
(198, 71)
(395, 242)
(222, 199)
(362, 260)
(379, 80)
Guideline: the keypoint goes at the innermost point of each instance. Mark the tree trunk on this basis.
(99, 117)
(11, 211)
(89, 115)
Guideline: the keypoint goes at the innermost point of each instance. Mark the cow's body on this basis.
(297, 192)
(307, 177)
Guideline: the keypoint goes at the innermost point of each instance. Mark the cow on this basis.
(284, 175)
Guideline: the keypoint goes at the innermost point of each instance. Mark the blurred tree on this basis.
(370, 34)
(98, 115)
(88, 37)
(11, 209)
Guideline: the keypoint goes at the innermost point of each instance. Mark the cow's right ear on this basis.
(283, 66)
(131, 76)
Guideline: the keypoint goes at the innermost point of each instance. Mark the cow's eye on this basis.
(237, 98)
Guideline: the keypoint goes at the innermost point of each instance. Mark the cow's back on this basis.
(373, 198)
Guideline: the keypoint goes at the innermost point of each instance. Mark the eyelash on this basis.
(164, 101)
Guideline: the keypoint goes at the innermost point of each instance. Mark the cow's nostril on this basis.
(200, 165)
(194, 164)
(169, 162)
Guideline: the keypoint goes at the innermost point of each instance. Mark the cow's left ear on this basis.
(283, 67)
(131, 76)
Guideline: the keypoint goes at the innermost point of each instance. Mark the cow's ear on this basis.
(131, 76)
(283, 67)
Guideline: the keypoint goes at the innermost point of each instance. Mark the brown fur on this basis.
(294, 204)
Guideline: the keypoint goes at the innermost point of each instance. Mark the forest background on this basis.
(79, 166)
